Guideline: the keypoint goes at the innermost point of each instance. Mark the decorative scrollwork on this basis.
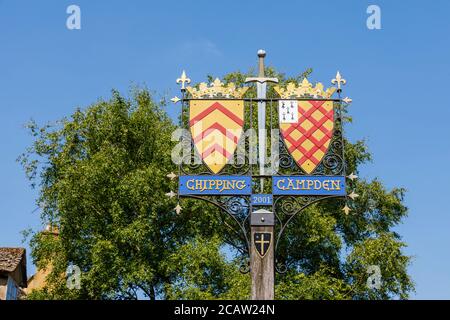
(288, 206)
(336, 144)
(286, 161)
(237, 206)
(190, 163)
(280, 267)
(244, 267)
(333, 163)
(284, 217)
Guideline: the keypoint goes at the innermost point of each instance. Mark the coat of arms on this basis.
(262, 242)
(306, 122)
(216, 120)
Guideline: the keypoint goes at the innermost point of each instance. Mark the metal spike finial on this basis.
(175, 99)
(339, 80)
(352, 176)
(346, 209)
(347, 100)
(353, 195)
(171, 176)
(183, 80)
(171, 194)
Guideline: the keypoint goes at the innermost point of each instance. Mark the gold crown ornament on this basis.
(304, 89)
(217, 90)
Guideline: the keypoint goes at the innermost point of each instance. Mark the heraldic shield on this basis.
(216, 120)
(306, 125)
(262, 242)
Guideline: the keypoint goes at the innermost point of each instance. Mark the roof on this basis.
(11, 259)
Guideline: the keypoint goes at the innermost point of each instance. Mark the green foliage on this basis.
(323, 284)
(205, 273)
(384, 251)
(101, 176)
(103, 181)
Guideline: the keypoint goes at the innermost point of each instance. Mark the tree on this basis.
(101, 176)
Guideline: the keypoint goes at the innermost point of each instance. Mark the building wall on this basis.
(37, 281)
(3, 283)
(17, 276)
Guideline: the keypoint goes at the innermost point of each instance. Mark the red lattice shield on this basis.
(307, 129)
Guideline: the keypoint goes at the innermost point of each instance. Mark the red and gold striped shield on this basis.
(308, 132)
(216, 127)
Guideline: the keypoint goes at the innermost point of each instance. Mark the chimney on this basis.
(51, 230)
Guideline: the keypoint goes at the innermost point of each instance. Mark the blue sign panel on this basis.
(309, 185)
(215, 185)
(261, 199)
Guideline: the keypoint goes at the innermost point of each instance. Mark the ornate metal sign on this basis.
(226, 160)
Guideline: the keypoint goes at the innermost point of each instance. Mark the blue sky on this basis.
(397, 77)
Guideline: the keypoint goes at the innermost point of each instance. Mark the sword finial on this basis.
(261, 89)
(261, 78)
(261, 56)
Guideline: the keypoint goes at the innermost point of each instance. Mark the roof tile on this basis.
(10, 258)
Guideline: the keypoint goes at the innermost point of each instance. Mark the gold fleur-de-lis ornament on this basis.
(338, 80)
(183, 80)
